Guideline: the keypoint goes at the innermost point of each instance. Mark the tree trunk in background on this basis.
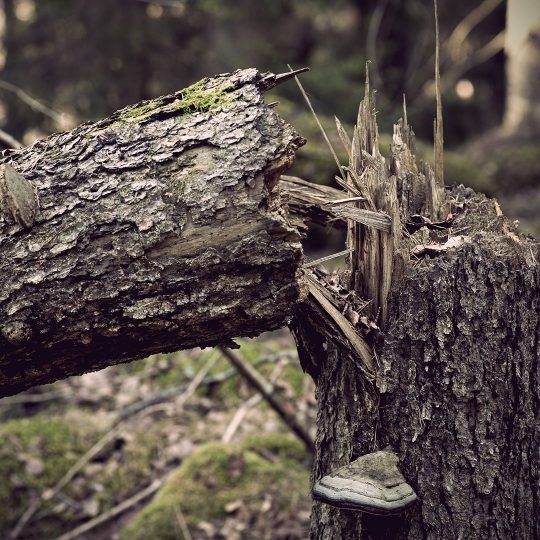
(455, 387)
(159, 228)
(522, 114)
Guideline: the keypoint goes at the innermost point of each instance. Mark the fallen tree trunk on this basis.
(449, 382)
(157, 229)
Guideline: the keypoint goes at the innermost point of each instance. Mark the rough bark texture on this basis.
(460, 399)
(159, 228)
(457, 393)
(347, 410)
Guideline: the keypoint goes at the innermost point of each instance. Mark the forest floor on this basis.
(185, 428)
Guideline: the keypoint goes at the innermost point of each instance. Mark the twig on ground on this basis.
(170, 393)
(265, 389)
(242, 411)
(115, 511)
(52, 492)
(95, 449)
(182, 523)
(239, 416)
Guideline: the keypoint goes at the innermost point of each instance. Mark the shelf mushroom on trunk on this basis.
(372, 483)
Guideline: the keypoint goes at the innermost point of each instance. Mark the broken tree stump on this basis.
(156, 229)
(426, 346)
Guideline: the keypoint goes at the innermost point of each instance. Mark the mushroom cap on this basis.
(372, 483)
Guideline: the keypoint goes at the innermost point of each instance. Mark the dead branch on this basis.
(266, 390)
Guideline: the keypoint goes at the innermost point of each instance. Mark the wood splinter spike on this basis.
(271, 80)
(372, 483)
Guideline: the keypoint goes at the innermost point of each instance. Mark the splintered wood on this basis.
(384, 201)
(395, 188)
(381, 196)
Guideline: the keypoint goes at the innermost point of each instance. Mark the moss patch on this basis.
(132, 466)
(50, 444)
(195, 98)
(198, 97)
(36, 453)
(218, 474)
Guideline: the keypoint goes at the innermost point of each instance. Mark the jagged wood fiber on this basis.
(159, 228)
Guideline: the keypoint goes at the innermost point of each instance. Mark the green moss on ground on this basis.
(53, 444)
(218, 474)
(48, 443)
(132, 466)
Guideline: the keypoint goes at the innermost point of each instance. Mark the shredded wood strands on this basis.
(379, 253)
(369, 176)
(344, 137)
(323, 204)
(377, 220)
(375, 210)
(361, 347)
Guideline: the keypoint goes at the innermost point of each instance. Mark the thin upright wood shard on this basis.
(372, 261)
(437, 195)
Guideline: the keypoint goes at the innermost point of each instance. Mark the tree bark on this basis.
(457, 397)
(452, 384)
(158, 228)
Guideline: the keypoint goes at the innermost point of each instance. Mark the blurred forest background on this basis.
(83, 60)
(73, 451)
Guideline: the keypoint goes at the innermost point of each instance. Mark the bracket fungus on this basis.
(372, 483)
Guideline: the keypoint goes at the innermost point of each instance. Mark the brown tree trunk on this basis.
(159, 228)
(452, 384)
